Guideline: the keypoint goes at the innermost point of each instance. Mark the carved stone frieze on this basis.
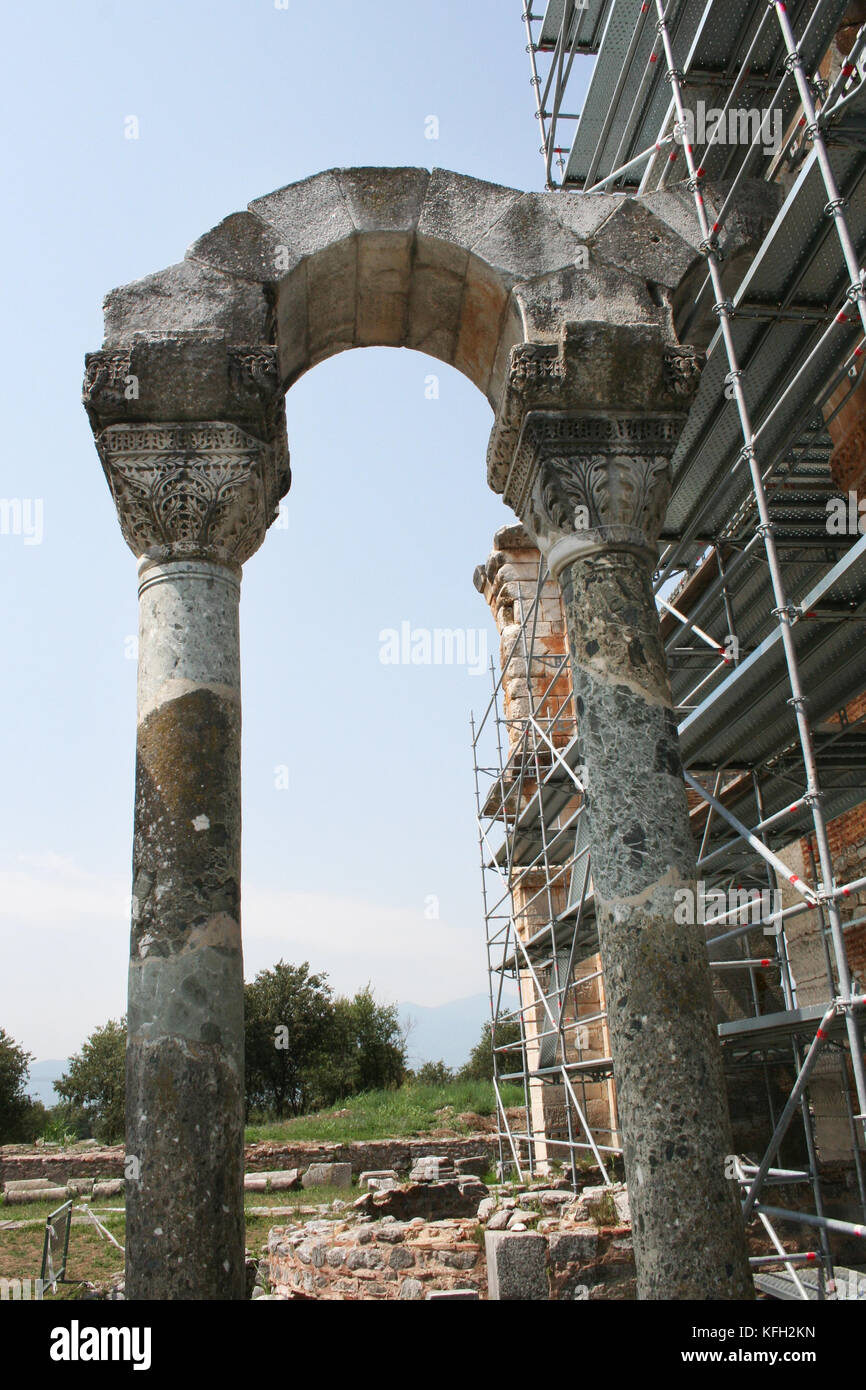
(188, 490)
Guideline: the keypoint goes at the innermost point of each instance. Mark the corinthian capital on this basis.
(588, 483)
(191, 434)
(188, 491)
(584, 436)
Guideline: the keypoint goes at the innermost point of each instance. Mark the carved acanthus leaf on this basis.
(188, 490)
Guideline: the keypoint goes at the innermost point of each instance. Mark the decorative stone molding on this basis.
(583, 440)
(106, 379)
(185, 491)
(587, 483)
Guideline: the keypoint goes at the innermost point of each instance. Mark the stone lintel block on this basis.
(188, 297)
(453, 1295)
(516, 1266)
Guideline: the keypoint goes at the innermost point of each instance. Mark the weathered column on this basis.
(194, 499)
(582, 450)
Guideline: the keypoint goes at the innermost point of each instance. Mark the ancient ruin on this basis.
(668, 352)
(590, 388)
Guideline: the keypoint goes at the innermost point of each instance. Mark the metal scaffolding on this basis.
(761, 602)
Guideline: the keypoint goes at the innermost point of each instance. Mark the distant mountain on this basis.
(42, 1078)
(446, 1031)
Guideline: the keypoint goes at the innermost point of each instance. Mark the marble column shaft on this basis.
(185, 1065)
(688, 1232)
(588, 470)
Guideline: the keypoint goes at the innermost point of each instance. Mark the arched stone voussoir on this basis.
(246, 246)
(635, 239)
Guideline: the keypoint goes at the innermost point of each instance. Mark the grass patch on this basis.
(91, 1255)
(95, 1259)
(397, 1114)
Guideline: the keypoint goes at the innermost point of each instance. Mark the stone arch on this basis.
(561, 309)
(441, 262)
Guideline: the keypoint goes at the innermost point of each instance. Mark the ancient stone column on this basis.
(194, 499)
(582, 449)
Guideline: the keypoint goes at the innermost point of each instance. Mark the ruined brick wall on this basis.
(508, 581)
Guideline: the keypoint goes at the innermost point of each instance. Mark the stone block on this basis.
(453, 1295)
(189, 297)
(411, 1289)
(426, 1169)
(278, 1180)
(516, 1266)
(242, 244)
(28, 1184)
(475, 1165)
(597, 1201)
(376, 1177)
(328, 1175)
(111, 1187)
(80, 1187)
(573, 1247)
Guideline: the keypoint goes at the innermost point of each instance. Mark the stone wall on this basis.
(390, 1260)
(386, 1259)
(59, 1165)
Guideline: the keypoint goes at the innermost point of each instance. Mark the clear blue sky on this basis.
(388, 515)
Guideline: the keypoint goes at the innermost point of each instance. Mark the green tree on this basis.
(365, 1049)
(480, 1064)
(15, 1104)
(433, 1074)
(96, 1081)
(287, 1016)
